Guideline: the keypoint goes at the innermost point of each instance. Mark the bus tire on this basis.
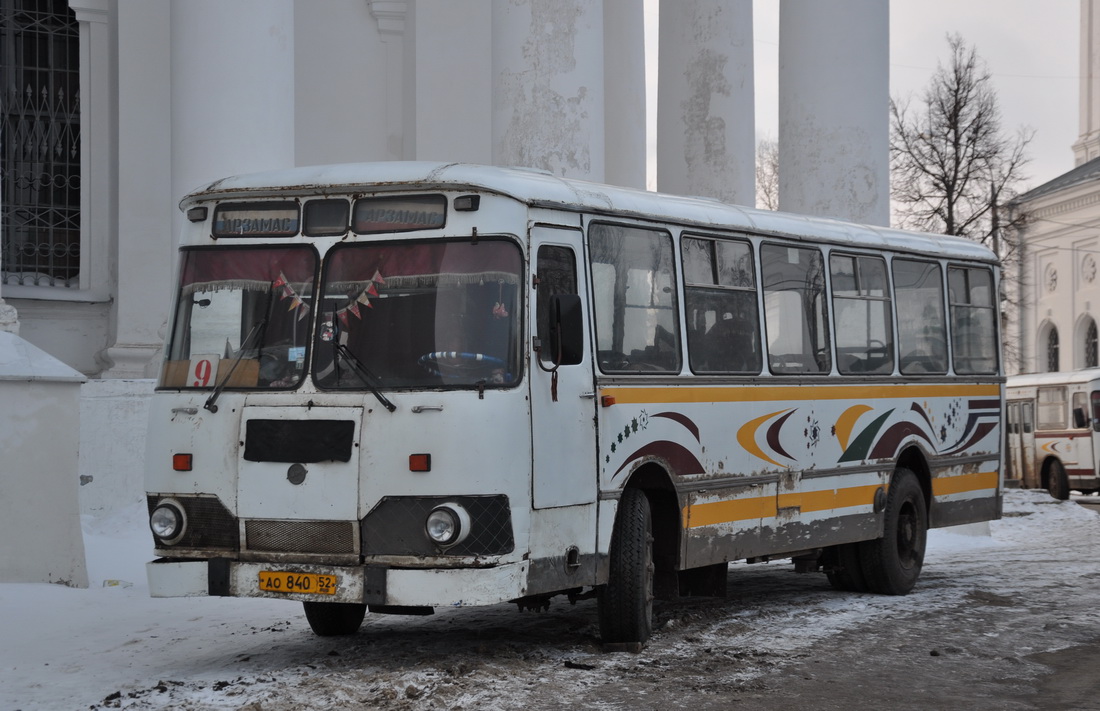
(892, 564)
(332, 619)
(625, 603)
(847, 572)
(1057, 481)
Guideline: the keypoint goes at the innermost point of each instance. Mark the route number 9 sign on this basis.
(204, 371)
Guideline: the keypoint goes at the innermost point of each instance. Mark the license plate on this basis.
(291, 582)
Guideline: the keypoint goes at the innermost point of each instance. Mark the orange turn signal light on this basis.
(607, 400)
(181, 462)
(420, 462)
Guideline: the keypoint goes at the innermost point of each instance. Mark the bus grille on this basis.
(209, 523)
(332, 537)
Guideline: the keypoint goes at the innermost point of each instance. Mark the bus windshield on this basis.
(242, 318)
(420, 314)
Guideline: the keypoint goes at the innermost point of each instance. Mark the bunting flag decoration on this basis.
(295, 302)
(364, 300)
(342, 314)
(354, 308)
(377, 278)
(371, 290)
(303, 311)
(279, 281)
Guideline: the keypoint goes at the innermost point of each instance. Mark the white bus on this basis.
(1053, 427)
(401, 386)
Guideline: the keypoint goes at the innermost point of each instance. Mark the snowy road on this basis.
(1010, 621)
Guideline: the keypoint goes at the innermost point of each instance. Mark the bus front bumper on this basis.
(372, 585)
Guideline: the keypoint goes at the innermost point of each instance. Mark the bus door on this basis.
(1023, 448)
(563, 408)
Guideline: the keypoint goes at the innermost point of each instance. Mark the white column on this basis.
(232, 89)
(448, 90)
(834, 98)
(548, 86)
(705, 121)
(624, 93)
(1087, 146)
(97, 143)
(146, 198)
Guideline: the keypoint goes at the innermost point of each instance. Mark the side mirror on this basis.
(566, 329)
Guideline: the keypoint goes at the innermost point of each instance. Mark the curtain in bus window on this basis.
(973, 320)
(634, 293)
(922, 333)
(249, 307)
(794, 309)
(723, 332)
(861, 306)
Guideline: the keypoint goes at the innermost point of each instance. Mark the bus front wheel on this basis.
(331, 619)
(625, 604)
(1057, 481)
(892, 564)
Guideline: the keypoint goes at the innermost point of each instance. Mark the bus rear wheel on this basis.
(332, 619)
(1057, 481)
(892, 564)
(625, 604)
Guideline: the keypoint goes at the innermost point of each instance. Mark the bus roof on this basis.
(542, 189)
(1057, 378)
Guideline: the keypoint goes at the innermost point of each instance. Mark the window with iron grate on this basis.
(40, 159)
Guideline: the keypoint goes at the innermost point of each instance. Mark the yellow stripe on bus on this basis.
(695, 515)
(944, 485)
(682, 394)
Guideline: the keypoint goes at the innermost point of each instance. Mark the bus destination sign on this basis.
(399, 214)
(256, 219)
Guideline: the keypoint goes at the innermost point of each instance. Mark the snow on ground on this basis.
(111, 646)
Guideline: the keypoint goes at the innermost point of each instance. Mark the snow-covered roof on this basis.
(1057, 378)
(1086, 172)
(542, 189)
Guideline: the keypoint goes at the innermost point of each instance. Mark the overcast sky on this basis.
(1030, 47)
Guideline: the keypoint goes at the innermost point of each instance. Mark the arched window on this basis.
(1052, 350)
(1090, 345)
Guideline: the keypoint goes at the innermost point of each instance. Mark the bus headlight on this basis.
(447, 524)
(168, 522)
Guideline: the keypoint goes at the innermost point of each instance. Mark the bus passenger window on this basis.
(922, 335)
(1052, 408)
(973, 320)
(1080, 411)
(861, 307)
(1094, 399)
(634, 295)
(723, 331)
(794, 309)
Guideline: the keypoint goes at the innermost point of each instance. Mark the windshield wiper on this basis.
(369, 378)
(218, 387)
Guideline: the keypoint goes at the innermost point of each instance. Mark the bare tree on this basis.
(767, 174)
(951, 163)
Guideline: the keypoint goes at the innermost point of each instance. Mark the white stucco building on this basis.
(1060, 246)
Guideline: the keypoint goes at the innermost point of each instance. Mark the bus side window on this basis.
(723, 332)
(794, 300)
(634, 299)
(556, 270)
(1052, 408)
(1094, 397)
(922, 336)
(973, 320)
(861, 308)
